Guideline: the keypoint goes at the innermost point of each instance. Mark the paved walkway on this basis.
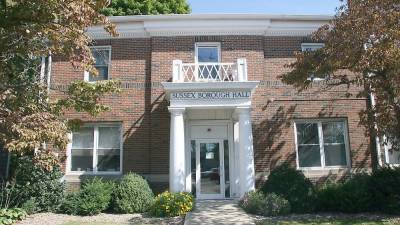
(217, 212)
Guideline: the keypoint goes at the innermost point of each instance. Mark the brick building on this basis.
(202, 108)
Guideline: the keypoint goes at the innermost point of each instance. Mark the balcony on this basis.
(209, 72)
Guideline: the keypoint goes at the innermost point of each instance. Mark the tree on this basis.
(362, 48)
(29, 29)
(146, 7)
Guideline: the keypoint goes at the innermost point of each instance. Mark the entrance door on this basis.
(210, 179)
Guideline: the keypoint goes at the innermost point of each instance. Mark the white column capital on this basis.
(176, 111)
(242, 110)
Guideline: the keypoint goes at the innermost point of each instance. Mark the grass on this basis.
(330, 222)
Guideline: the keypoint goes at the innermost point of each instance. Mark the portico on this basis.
(211, 142)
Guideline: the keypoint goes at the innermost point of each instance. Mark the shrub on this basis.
(12, 215)
(350, 197)
(292, 185)
(384, 188)
(132, 195)
(93, 198)
(275, 205)
(30, 206)
(353, 195)
(31, 181)
(252, 202)
(255, 202)
(169, 204)
(327, 198)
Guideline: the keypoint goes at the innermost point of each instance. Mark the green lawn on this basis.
(331, 222)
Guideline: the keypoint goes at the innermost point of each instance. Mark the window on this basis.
(322, 144)
(392, 156)
(102, 56)
(309, 47)
(208, 53)
(96, 149)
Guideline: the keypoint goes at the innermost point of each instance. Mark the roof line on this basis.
(221, 16)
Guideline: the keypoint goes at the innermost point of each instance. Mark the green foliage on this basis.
(361, 50)
(385, 190)
(292, 185)
(132, 195)
(378, 192)
(93, 198)
(30, 30)
(256, 202)
(35, 184)
(169, 204)
(10, 216)
(351, 197)
(146, 7)
(30, 206)
(252, 202)
(275, 205)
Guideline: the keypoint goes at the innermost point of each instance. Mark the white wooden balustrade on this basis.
(209, 72)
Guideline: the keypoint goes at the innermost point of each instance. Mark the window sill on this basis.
(321, 172)
(323, 168)
(83, 173)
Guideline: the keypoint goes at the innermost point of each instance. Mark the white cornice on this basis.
(212, 24)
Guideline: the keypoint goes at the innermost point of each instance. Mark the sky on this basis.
(299, 7)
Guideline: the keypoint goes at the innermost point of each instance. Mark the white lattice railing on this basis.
(209, 72)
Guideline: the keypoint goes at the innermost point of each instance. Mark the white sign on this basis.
(210, 95)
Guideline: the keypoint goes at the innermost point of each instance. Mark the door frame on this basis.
(221, 194)
(233, 170)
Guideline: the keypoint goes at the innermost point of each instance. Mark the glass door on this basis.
(210, 181)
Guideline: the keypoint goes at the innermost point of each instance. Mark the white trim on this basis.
(204, 45)
(228, 123)
(313, 47)
(221, 195)
(100, 47)
(198, 45)
(211, 24)
(319, 122)
(386, 149)
(95, 143)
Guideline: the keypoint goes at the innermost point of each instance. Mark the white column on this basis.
(242, 69)
(177, 71)
(246, 153)
(177, 151)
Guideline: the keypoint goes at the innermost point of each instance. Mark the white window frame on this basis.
(100, 47)
(387, 147)
(321, 144)
(196, 58)
(95, 144)
(204, 45)
(314, 47)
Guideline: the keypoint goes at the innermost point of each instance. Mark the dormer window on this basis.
(102, 56)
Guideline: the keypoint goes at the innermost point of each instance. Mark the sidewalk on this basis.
(218, 212)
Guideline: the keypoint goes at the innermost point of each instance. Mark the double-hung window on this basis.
(102, 56)
(310, 47)
(322, 144)
(392, 157)
(96, 148)
(208, 55)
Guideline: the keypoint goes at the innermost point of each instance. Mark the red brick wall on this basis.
(141, 64)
